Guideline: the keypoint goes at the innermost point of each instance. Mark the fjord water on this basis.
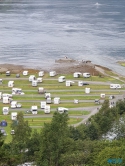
(35, 33)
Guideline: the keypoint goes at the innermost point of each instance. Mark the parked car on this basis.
(85, 83)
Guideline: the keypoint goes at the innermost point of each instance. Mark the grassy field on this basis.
(66, 94)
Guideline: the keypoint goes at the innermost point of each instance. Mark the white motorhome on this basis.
(6, 100)
(52, 73)
(5, 110)
(69, 83)
(13, 104)
(32, 77)
(42, 104)
(77, 74)
(47, 109)
(62, 110)
(87, 90)
(41, 90)
(34, 109)
(47, 95)
(25, 73)
(34, 83)
(115, 86)
(48, 100)
(13, 115)
(17, 91)
(61, 79)
(11, 84)
(39, 79)
(41, 73)
(56, 100)
(86, 75)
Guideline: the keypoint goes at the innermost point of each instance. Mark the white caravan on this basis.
(115, 86)
(11, 84)
(52, 73)
(5, 110)
(41, 90)
(34, 109)
(69, 83)
(56, 100)
(61, 79)
(41, 73)
(47, 109)
(42, 104)
(87, 90)
(13, 115)
(86, 75)
(32, 77)
(34, 83)
(25, 73)
(13, 104)
(62, 110)
(39, 79)
(77, 74)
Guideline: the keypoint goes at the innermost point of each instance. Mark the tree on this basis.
(55, 141)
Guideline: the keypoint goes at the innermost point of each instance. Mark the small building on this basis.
(48, 100)
(52, 73)
(47, 95)
(6, 100)
(14, 116)
(34, 109)
(86, 75)
(3, 123)
(87, 90)
(115, 86)
(42, 104)
(25, 73)
(5, 110)
(77, 74)
(32, 78)
(8, 73)
(41, 90)
(61, 79)
(69, 83)
(11, 84)
(34, 83)
(47, 109)
(39, 79)
(56, 100)
(41, 73)
(13, 104)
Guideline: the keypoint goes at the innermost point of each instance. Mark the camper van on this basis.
(62, 110)
(47, 109)
(5, 110)
(115, 86)
(13, 115)
(77, 74)
(25, 73)
(41, 90)
(34, 109)
(42, 104)
(32, 77)
(61, 79)
(10, 83)
(52, 73)
(86, 75)
(13, 104)
(41, 73)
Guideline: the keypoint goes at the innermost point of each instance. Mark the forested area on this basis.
(58, 144)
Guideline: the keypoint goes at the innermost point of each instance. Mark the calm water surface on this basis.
(35, 33)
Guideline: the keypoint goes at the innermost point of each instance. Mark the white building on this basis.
(61, 79)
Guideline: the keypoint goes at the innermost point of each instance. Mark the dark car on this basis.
(85, 83)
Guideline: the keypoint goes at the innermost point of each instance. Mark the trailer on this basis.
(34, 109)
(5, 110)
(14, 116)
(41, 90)
(115, 86)
(47, 95)
(47, 109)
(32, 77)
(41, 73)
(13, 104)
(87, 90)
(11, 84)
(25, 73)
(62, 110)
(52, 73)
(34, 83)
(42, 104)
(39, 80)
(69, 83)
(48, 100)
(56, 100)
(77, 74)
(86, 75)
(61, 79)
(6, 100)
